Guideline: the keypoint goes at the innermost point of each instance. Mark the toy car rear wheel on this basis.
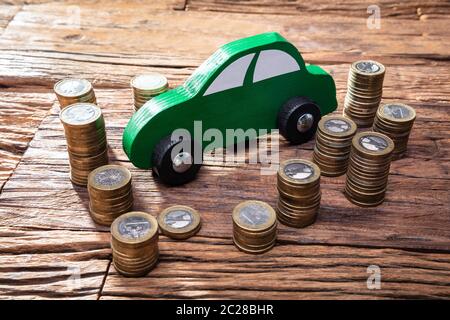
(178, 167)
(298, 119)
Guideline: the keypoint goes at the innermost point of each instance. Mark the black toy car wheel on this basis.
(181, 166)
(298, 119)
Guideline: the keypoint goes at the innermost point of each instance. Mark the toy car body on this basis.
(243, 85)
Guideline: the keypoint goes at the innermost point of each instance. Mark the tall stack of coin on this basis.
(134, 243)
(364, 91)
(179, 222)
(110, 193)
(396, 121)
(254, 227)
(368, 170)
(147, 86)
(298, 183)
(84, 128)
(333, 143)
(70, 91)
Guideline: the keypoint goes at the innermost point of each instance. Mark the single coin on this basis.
(369, 67)
(373, 143)
(254, 215)
(78, 114)
(299, 171)
(179, 222)
(134, 227)
(398, 112)
(72, 87)
(109, 177)
(337, 126)
(149, 82)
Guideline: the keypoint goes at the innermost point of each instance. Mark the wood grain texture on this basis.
(20, 115)
(45, 230)
(52, 264)
(41, 179)
(355, 8)
(213, 268)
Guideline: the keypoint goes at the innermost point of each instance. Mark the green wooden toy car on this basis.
(260, 82)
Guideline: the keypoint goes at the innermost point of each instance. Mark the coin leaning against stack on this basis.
(179, 222)
(85, 133)
(254, 227)
(71, 90)
(364, 91)
(110, 193)
(147, 86)
(396, 121)
(298, 184)
(333, 143)
(134, 243)
(368, 169)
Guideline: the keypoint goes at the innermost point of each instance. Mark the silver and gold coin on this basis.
(396, 121)
(298, 184)
(110, 193)
(333, 143)
(134, 243)
(147, 86)
(368, 170)
(364, 91)
(85, 133)
(179, 222)
(254, 226)
(73, 90)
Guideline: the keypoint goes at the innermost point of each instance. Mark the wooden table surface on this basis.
(50, 248)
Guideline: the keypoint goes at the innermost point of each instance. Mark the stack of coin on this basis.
(254, 227)
(84, 128)
(333, 143)
(110, 193)
(364, 91)
(147, 86)
(179, 222)
(70, 91)
(368, 168)
(396, 121)
(134, 243)
(298, 184)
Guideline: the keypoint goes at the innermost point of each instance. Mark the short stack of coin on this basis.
(134, 243)
(70, 91)
(364, 91)
(179, 222)
(333, 143)
(298, 184)
(84, 128)
(254, 227)
(110, 193)
(368, 169)
(396, 121)
(147, 86)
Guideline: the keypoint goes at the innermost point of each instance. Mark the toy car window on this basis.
(232, 76)
(272, 63)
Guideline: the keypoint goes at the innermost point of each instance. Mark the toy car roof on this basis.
(235, 48)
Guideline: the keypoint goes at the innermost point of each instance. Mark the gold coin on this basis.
(254, 216)
(179, 222)
(134, 227)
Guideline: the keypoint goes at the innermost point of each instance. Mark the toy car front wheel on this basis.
(298, 119)
(179, 166)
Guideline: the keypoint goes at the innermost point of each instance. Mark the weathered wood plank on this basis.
(355, 8)
(52, 264)
(7, 13)
(20, 115)
(80, 45)
(211, 269)
(40, 194)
